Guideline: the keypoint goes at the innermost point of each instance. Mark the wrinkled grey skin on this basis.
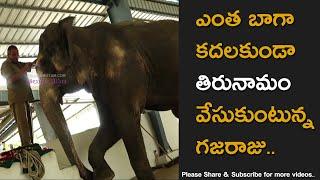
(127, 67)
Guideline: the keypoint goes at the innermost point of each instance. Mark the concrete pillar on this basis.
(119, 11)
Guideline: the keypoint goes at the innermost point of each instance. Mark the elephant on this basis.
(127, 67)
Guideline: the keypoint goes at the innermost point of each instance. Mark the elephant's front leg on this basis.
(105, 138)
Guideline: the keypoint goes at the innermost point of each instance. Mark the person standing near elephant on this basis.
(19, 92)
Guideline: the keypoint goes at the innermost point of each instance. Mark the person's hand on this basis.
(28, 66)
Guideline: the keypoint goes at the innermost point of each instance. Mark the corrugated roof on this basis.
(23, 21)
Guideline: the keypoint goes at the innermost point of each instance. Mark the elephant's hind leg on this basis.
(105, 138)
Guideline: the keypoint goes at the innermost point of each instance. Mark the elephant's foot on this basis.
(86, 174)
(145, 176)
(103, 174)
(143, 171)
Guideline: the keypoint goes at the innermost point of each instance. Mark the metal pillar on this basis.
(45, 126)
(159, 131)
(119, 11)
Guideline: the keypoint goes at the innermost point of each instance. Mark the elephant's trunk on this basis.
(49, 97)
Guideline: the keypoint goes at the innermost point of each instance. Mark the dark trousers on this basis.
(22, 115)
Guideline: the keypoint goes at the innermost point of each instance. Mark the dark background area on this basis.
(296, 149)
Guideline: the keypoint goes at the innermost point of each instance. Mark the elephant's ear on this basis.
(65, 27)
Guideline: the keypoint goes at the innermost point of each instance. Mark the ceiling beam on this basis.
(21, 26)
(165, 2)
(154, 12)
(47, 9)
(19, 43)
